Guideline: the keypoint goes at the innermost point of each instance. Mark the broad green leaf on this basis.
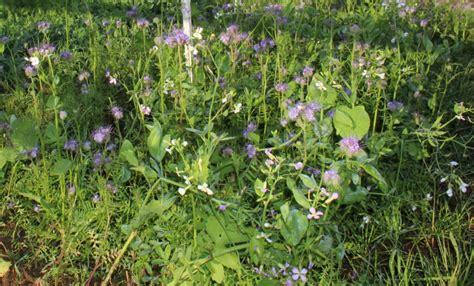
(324, 93)
(351, 197)
(372, 171)
(157, 143)
(230, 260)
(7, 155)
(217, 271)
(24, 133)
(256, 249)
(294, 227)
(146, 171)
(127, 153)
(285, 210)
(61, 167)
(155, 207)
(325, 244)
(297, 194)
(268, 282)
(309, 182)
(351, 121)
(4, 267)
(223, 233)
(260, 187)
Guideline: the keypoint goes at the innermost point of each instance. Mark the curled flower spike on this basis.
(350, 146)
(313, 214)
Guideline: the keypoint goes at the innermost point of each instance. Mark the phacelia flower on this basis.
(281, 87)
(96, 198)
(117, 112)
(43, 26)
(71, 145)
(31, 153)
(232, 35)
(143, 23)
(66, 55)
(102, 134)
(349, 146)
(394, 105)
(313, 214)
(331, 178)
(308, 71)
(251, 127)
(251, 150)
(299, 166)
(146, 110)
(30, 70)
(176, 38)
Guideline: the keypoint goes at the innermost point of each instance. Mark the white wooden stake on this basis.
(188, 30)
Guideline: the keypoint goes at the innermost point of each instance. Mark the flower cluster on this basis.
(350, 146)
(102, 134)
(232, 35)
(264, 45)
(176, 38)
(303, 111)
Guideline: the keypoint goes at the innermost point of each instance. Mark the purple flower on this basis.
(222, 207)
(232, 35)
(176, 38)
(133, 12)
(331, 178)
(4, 39)
(310, 109)
(146, 110)
(31, 153)
(30, 70)
(251, 150)
(102, 134)
(105, 23)
(36, 208)
(117, 112)
(299, 80)
(62, 114)
(281, 87)
(299, 166)
(96, 198)
(227, 151)
(299, 274)
(86, 145)
(43, 26)
(264, 45)
(350, 146)
(424, 23)
(71, 145)
(71, 189)
(308, 71)
(251, 127)
(394, 105)
(275, 9)
(293, 113)
(110, 186)
(66, 55)
(258, 75)
(143, 23)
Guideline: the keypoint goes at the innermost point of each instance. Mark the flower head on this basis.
(331, 178)
(176, 38)
(350, 146)
(102, 134)
(117, 112)
(43, 26)
(143, 23)
(281, 87)
(251, 150)
(313, 214)
(299, 274)
(251, 127)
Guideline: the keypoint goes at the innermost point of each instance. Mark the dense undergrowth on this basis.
(318, 142)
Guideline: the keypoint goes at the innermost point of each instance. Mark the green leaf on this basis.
(297, 194)
(268, 282)
(260, 187)
(4, 267)
(24, 133)
(256, 249)
(7, 155)
(157, 143)
(309, 182)
(61, 167)
(325, 244)
(372, 171)
(327, 96)
(146, 171)
(294, 227)
(217, 271)
(222, 236)
(351, 197)
(155, 207)
(230, 260)
(127, 153)
(351, 121)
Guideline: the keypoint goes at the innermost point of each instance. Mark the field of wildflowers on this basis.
(304, 142)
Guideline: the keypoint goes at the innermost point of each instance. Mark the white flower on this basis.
(413, 208)
(182, 191)
(429, 197)
(366, 219)
(204, 188)
(320, 85)
(453, 163)
(463, 187)
(198, 33)
(443, 180)
(237, 107)
(185, 143)
(449, 192)
(265, 236)
(34, 61)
